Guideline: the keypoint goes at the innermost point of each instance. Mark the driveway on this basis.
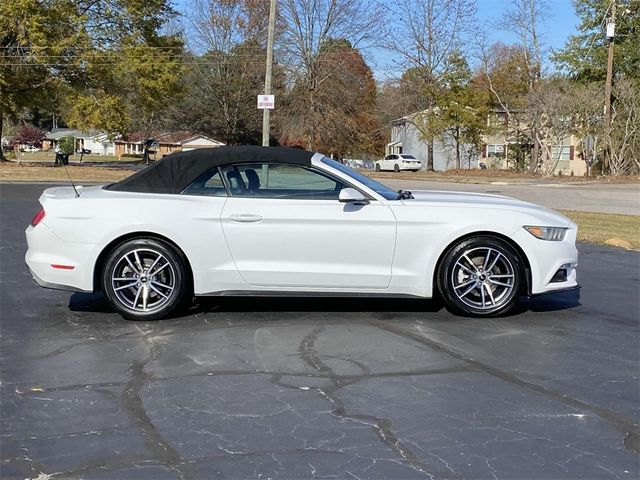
(301, 388)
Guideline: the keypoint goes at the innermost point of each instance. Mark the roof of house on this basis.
(175, 172)
(171, 138)
(58, 133)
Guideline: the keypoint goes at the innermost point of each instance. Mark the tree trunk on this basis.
(535, 153)
(458, 164)
(2, 157)
(430, 155)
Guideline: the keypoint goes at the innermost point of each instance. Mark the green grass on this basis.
(88, 158)
(607, 228)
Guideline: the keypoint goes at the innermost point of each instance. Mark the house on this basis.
(51, 138)
(97, 144)
(92, 141)
(6, 142)
(406, 137)
(162, 144)
(498, 149)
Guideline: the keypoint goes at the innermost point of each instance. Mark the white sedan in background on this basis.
(277, 221)
(398, 162)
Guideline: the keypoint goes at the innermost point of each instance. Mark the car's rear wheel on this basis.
(396, 168)
(481, 276)
(377, 167)
(144, 279)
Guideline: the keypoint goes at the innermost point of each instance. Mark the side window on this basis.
(208, 184)
(273, 180)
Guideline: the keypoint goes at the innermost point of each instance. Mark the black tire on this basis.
(153, 266)
(396, 168)
(377, 167)
(481, 276)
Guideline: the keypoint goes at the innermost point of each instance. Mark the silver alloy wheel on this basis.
(143, 280)
(483, 278)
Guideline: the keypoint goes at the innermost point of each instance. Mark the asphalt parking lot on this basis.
(295, 388)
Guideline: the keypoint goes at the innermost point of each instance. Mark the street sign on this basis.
(266, 101)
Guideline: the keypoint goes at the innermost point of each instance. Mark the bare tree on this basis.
(525, 19)
(427, 33)
(623, 140)
(588, 107)
(551, 107)
(310, 26)
(221, 25)
(227, 72)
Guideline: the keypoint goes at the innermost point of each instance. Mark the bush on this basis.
(66, 145)
(132, 155)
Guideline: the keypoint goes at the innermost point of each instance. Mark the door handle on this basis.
(245, 217)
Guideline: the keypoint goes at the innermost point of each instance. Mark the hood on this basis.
(485, 201)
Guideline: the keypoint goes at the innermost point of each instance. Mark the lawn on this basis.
(608, 229)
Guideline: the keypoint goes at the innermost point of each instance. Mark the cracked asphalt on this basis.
(300, 388)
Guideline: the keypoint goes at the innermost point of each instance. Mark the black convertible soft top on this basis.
(175, 172)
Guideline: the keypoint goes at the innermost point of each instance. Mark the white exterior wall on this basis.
(99, 146)
(444, 153)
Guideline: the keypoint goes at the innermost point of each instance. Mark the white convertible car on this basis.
(277, 221)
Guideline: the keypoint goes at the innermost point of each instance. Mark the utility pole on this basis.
(611, 27)
(269, 69)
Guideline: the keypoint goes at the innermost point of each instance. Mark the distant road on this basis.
(592, 197)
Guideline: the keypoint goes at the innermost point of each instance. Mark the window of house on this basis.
(273, 180)
(495, 150)
(560, 152)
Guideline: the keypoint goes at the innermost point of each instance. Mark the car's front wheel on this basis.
(396, 168)
(481, 276)
(377, 167)
(144, 279)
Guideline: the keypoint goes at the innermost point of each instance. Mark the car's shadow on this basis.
(96, 302)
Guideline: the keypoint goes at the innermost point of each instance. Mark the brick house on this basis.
(162, 144)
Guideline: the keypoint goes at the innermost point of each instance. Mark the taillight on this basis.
(38, 218)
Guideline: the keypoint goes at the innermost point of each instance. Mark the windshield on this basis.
(410, 157)
(377, 187)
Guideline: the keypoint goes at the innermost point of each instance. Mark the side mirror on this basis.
(351, 195)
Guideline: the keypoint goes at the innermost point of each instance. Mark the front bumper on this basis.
(546, 258)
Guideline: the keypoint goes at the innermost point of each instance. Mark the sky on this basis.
(561, 21)
(559, 24)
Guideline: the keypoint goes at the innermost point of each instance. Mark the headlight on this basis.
(554, 234)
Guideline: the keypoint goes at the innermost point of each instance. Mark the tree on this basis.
(504, 73)
(132, 70)
(39, 42)
(221, 84)
(308, 29)
(550, 105)
(525, 18)
(220, 95)
(344, 119)
(29, 135)
(101, 63)
(462, 107)
(585, 54)
(428, 32)
(623, 141)
(588, 107)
